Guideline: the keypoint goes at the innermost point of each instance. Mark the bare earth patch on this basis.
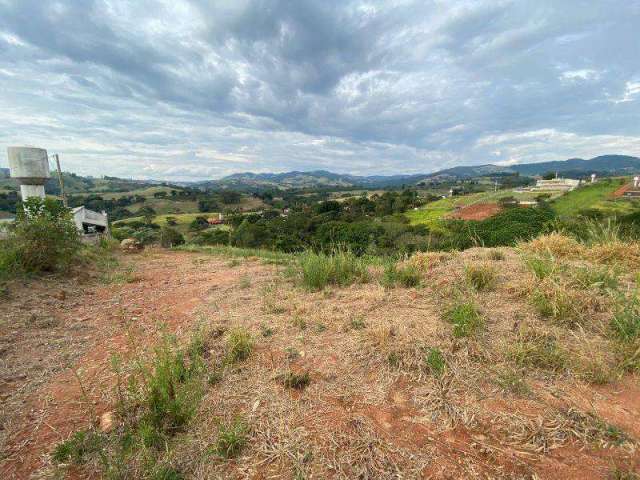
(371, 408)
(477, 211)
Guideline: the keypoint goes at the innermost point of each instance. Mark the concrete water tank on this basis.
(30, 167)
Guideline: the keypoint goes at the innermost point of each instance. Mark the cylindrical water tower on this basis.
(30, 167)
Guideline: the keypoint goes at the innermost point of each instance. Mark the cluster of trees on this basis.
(9, 201)
(116, 208)
(365, 225)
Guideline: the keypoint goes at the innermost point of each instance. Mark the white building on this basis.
(557, 184)
(90, 222)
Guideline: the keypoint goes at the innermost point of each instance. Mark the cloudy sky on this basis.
(192, 89)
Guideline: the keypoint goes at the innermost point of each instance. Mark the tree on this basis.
(549, 176)
(170, 237)
(148, 214)
(199, 223)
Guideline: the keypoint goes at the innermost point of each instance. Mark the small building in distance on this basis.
(556, 184)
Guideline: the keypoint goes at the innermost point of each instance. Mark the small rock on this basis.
(131, 245)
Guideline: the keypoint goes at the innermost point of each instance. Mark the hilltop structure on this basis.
(30, 167)
(557, 184)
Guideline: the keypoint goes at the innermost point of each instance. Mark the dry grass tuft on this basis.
(616, 253)
(423, 261)
(552, 430)
(554, 244)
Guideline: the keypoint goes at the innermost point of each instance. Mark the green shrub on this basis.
(43, 239)
(170, 237)
(232, 437)
(172, 389)
(146, 235)
(212, 236)
(339, 268)
(481, 277)
(466, 319)
(239, 345)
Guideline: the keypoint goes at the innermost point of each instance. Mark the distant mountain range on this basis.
(574, 167)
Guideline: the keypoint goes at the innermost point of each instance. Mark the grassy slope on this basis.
(596, 196)
(433, 212)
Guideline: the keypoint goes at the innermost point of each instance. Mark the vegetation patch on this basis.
(513, 381)
(44, 239)
(466, 319)
(341, 267)
(538, 349)
(404, 275)
(554, 244)
(481, 277)
(297, 381)
(232, 437)
(239, 346)
(558, 303)
(541, 266)
(153, 406)
(435, 362)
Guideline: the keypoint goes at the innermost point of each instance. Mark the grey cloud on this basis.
(379, 86)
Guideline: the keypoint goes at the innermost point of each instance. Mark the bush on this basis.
(172, 391)
(212, 236)
(44, 239)
(339, 268)
(170, 237)
(146, 236)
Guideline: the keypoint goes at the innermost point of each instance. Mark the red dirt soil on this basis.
(45, 407)
(621, 191)
(477, 211)
(112, 317)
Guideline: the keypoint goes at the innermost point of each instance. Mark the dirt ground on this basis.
(360, 417)
(478, 211)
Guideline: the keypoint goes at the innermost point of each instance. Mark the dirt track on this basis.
(55, 344)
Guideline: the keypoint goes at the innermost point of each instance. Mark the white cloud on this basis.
(189, 88)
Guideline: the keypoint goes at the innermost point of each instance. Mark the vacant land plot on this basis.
(458, 375)
(433, 212)
(477, 211)
(599, 196)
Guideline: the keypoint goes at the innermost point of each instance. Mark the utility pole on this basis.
(62, 193)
